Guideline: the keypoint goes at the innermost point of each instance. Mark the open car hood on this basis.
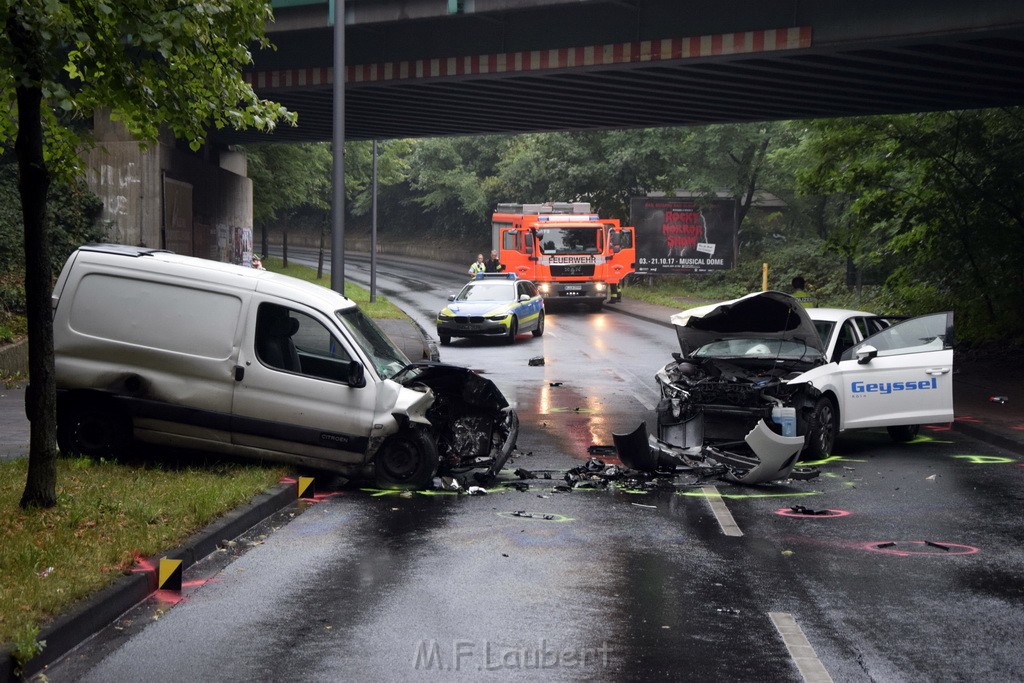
(764, 315)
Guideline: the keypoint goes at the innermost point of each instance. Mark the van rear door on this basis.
(293, 395)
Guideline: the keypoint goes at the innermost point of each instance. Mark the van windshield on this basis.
(387, 358)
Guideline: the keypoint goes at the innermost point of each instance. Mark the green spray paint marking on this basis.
(538, 516)
(920, 438)
(985, 459)
(826, 460)
(739, 496)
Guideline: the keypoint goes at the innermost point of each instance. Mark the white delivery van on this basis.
(153, 347)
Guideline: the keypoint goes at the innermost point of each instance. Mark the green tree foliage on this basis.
(151, 65)
(72, 215)
(940, 196)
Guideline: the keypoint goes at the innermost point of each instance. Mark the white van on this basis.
(171, 350)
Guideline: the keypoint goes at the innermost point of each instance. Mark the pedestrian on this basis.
(478, 266)
(800, 292)
(493, 265)
(257, 263)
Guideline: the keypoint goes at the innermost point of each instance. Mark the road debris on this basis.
(537, 360)
(998, 399)
(641, 505)
(554, 384)
(937, 545)
(772, 459)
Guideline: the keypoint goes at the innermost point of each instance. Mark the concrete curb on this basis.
(99, 610)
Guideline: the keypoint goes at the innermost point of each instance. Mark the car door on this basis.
(902, 375)
(292, 393)
(529, 310)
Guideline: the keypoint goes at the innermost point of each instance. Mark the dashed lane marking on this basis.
(800, 649)
(721, 511)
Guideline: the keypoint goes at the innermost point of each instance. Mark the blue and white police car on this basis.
(761, 358)
(492, 305)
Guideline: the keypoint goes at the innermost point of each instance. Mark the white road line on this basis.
(645, 403)
(721, 512)
(800, 649)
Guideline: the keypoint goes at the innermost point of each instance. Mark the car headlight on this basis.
(599, 286)
(445, 316)
(499, 316)
(544, 287)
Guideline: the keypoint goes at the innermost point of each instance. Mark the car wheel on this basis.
(903, 433)
(513, 330)
(93, 428)
(821, 436)
(540, 325)
(406, 460)
(445, 339)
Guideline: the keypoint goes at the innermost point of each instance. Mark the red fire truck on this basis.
(572, 255)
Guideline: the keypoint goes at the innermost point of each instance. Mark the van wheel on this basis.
(540, 325)
(445, 339)
(821, 436)
(903, 433)
(407, 460)
(93, 428)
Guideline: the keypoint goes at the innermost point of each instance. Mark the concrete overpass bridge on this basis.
(420, 68)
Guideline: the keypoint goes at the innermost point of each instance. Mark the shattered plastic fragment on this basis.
(476, 491)
(641, 505)
(601, 450)
(887, 544)
(998, 399)
(524, 473)
(538, 360)
(554, 384)
(937, 545)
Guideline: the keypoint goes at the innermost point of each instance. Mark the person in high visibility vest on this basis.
(800, 293)
(478, 266)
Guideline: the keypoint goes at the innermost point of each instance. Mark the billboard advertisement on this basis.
(683, 235)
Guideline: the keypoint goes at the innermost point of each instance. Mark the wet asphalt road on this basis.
(611, 584)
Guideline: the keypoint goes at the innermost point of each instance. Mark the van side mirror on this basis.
(356, 377)
(451, 297)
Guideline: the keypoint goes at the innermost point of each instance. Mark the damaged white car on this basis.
(752, 387)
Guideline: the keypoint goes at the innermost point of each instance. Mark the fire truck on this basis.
(572, 255)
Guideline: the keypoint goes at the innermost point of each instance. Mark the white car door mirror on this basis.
(865, 354)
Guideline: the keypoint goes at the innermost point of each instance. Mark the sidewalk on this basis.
(976, 379)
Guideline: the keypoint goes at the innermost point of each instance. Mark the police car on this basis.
(761, 358)
(492, 305)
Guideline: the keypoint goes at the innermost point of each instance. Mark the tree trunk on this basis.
(33, 185)
(284, 248)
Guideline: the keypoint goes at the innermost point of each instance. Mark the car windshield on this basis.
(387, 358)
(568, 240)
(488, 291)
(824, 328)
(758, 348)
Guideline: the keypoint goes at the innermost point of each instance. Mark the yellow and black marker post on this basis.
(170, 575)
(306, 489)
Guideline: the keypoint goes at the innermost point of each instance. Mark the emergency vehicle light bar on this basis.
(568, 219)
(499, 276)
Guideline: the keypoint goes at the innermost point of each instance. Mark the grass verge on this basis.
(107, 515)
(381, 308)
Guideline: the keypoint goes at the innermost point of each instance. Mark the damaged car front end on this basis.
(469, 426)
(728, 399)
